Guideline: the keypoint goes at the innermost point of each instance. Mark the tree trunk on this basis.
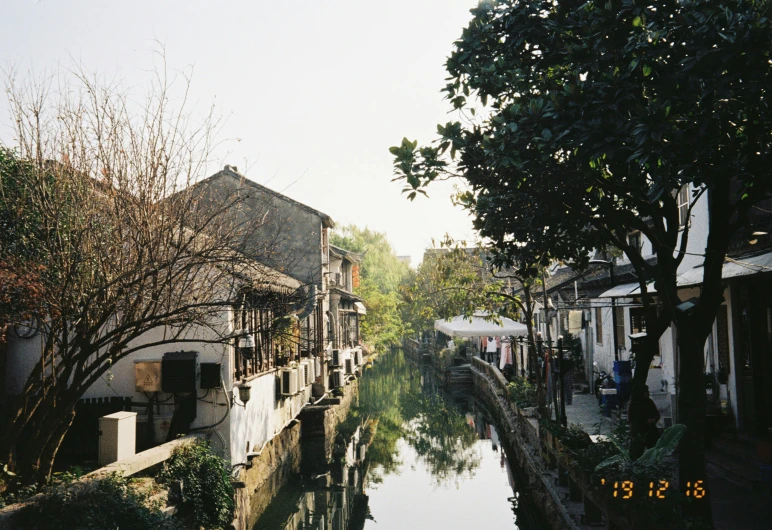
(39, 435)
(48, 455)
(691, 405)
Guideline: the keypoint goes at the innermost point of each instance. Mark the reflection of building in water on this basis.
(333, 500)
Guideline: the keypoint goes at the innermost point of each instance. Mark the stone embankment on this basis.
(308, 438)
(556, 485)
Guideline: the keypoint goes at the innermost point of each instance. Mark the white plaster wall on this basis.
(262, 418)
(603, 354)
(22, 355)
(698, 235)
(264, 415)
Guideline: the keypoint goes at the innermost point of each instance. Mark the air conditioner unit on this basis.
(289, 381)
(335, 358)
(358, 357)
(362, 452)
(301, 375)
(338, 378)
(308, 366)
(350, 366)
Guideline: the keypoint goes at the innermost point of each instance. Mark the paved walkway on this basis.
(586, 413)
(733, 505)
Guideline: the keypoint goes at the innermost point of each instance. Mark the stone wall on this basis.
(269, 471)
(541, 492)
(320, 424)
(281, 458)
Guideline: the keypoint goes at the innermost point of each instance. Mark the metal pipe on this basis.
(613, 310)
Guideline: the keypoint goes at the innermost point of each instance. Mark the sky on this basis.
(312, 92)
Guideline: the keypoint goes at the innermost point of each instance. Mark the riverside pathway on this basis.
(734, 505)
(585, 412)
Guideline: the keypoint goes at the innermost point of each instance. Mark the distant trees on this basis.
(583, 121)
(102, 259)
(380, 276)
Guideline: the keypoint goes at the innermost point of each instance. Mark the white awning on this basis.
(477, 326)
(621, 291)
(360, 308)
(733, 268)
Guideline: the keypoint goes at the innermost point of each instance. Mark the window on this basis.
(620, 314)
(637, 320)
(598, 325)
(638, 323)
(682, 199)
(257, 315)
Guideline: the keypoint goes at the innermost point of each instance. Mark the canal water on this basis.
(408, 456)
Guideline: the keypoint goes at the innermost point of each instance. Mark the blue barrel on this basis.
(623, 368)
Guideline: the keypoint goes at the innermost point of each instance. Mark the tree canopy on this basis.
(583, 121)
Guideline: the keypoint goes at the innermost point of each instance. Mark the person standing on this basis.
(491, 349)
(643, 416)
(567, 371)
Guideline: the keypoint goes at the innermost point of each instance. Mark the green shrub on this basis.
(522, 392)
(207, 492)
(108, 503)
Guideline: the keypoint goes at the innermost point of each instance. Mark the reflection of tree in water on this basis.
(440, 435)
(432, 426)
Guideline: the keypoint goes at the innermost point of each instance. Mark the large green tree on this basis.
(458, 280)
(584, 120)
(380, 275)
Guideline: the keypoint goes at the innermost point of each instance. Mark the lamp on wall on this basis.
(245, 392)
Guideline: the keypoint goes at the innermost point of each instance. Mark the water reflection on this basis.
(405, 399)
(408, 456)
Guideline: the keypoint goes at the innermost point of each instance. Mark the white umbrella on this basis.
(462, 326)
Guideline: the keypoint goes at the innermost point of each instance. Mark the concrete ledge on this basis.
(125, 468)
(145, 459)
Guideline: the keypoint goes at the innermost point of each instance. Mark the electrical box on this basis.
(210, 375)
(178, 372)
(147, 376)
(117, 437)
